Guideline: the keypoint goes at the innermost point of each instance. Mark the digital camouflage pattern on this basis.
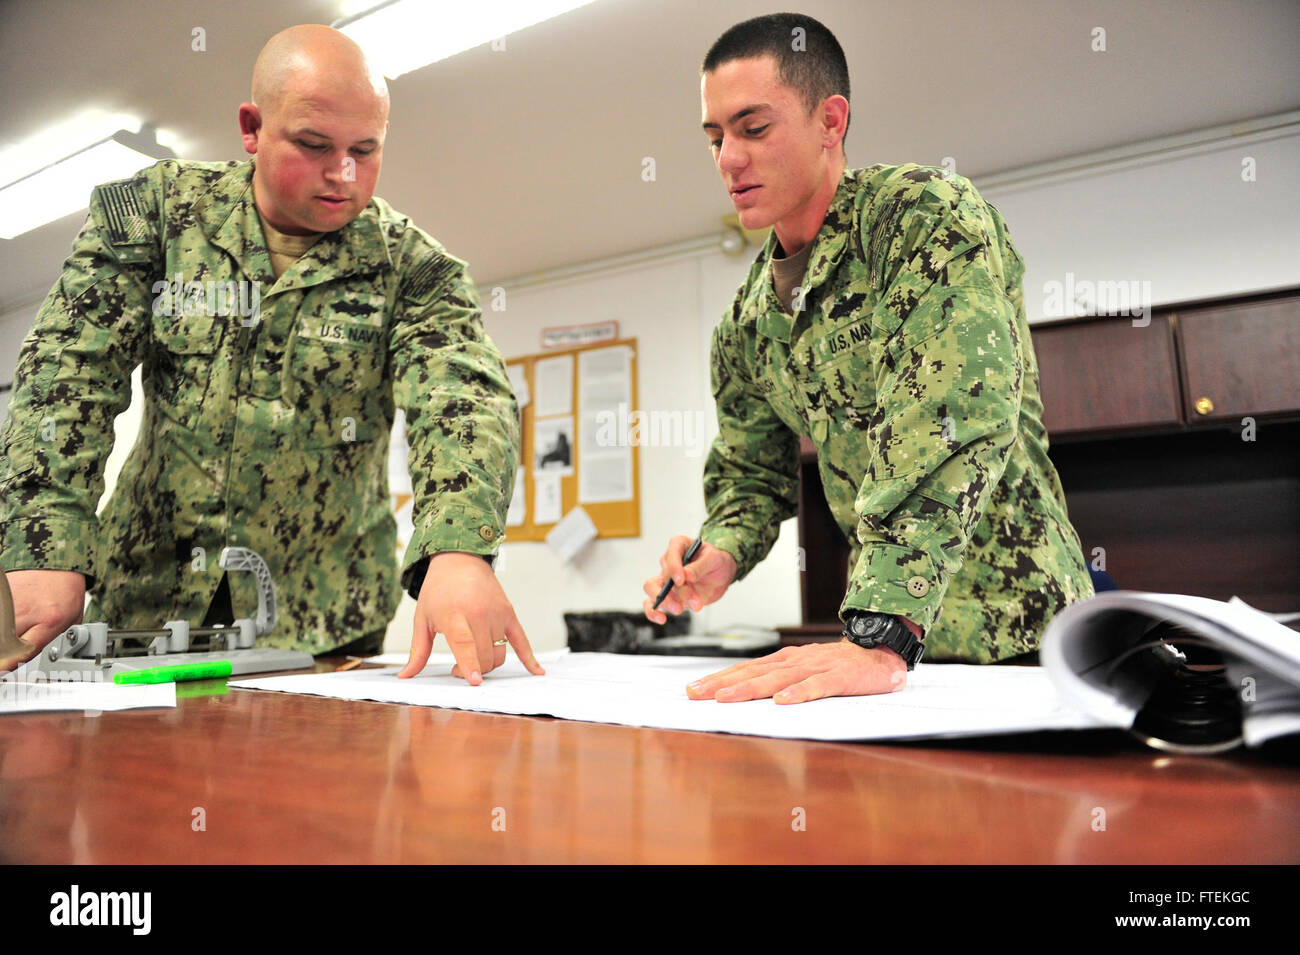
(268, 430)
(910, 367)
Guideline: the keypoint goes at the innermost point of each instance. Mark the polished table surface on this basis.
(245, 776)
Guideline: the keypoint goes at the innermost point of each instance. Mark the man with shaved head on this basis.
(281, 313)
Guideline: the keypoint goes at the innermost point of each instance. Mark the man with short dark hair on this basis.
(884, 319)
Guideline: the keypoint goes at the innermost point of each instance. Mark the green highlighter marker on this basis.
(175, 674)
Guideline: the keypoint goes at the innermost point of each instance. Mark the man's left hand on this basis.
(462, 599)
(809, 672)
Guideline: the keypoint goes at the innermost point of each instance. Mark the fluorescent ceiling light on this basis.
(57, 141)
(64, 187)
(407, 34)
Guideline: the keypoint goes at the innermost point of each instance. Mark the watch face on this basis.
(866, 626)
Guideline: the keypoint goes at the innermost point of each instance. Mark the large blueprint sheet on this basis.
(635, 690)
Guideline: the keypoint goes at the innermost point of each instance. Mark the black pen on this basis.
(686, 559)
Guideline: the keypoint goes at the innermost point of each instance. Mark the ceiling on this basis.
(530, 158)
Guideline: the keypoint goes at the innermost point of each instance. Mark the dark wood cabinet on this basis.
(1108, 375)
(1188, 367)
(1240, 361)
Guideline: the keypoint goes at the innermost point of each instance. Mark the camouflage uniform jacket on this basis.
(910, 367)
(268, 431)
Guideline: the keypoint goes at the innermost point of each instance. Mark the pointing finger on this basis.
(523, 649)
(461, 640)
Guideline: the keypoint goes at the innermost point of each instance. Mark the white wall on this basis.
(1175, 215)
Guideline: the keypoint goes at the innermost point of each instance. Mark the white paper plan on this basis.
(642, 690)
(24, 696)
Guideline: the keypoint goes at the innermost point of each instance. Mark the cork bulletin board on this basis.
(576, 448)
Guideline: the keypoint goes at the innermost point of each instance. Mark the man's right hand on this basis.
(701, 582)
(46, 603)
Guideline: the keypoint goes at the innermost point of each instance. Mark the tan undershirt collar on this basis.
(788, 273)
(285, 249)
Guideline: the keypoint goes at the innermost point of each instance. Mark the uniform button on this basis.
(486, 532)
(918, 586)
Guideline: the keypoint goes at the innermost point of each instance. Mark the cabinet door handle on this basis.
(1204, 405)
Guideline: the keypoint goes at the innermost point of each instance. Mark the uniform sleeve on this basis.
(751, 479)
(72, 379)
(462, 421)
(948, 376)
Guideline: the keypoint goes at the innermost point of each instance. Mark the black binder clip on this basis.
(1192, 707)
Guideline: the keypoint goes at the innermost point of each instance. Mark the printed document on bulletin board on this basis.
(604, 400)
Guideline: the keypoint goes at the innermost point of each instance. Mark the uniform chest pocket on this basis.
(779, 390)
(841, 390)
(337, 366)
(181, 370)
(778, 384)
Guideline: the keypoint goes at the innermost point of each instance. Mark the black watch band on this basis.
(869, 629)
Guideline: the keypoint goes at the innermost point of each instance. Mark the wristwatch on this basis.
(869, 629)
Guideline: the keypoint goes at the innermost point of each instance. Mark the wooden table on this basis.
(253, 777)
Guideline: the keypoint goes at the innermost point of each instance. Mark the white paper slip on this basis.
(640, 690)
(20, 696)
(571, 535)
